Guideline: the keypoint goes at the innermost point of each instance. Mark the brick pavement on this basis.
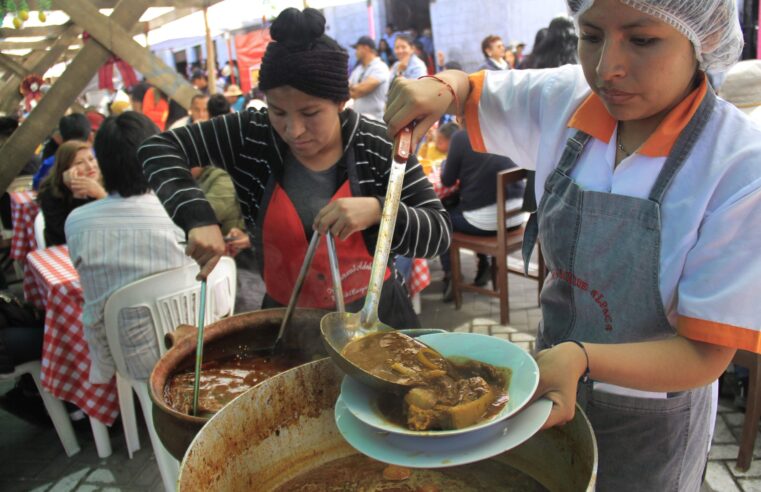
(33, 460)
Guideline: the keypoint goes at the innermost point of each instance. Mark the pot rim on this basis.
(186, 346)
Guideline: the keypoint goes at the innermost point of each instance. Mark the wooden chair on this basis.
(498, 246)
(752, 362)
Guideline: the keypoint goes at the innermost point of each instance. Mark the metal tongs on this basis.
(336, 274)
(308, 257)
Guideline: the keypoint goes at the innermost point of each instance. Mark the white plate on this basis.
(362, 400)
(422, 452)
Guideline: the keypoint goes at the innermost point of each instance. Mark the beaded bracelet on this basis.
(449, 86)
(585, 376)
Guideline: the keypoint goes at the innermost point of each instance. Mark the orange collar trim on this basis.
(593, 118)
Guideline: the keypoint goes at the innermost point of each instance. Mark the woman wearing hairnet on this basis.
(649, 221)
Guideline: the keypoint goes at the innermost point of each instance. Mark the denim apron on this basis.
(602, 253)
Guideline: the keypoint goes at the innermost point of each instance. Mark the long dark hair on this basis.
(557, 48)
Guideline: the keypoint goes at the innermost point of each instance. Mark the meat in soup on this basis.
(444, 394)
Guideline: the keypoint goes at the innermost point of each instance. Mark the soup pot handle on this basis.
(179, 334)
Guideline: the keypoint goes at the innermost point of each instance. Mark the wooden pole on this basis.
(19, 148)
(210, 56)
(233, 79)
(117, 40)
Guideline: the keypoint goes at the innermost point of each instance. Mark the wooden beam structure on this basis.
(9, 92)
(117, 40)
(57, 49)
(38, 62)
(164, 19)
(12, 65)
(51, 31)
(110, 4)
(33, 45)
(19, 148)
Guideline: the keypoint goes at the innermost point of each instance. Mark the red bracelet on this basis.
(451, 91)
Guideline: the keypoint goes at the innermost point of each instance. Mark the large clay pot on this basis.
(285, 426)
(240, 334)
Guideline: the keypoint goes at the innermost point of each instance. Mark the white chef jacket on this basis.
(710, 262)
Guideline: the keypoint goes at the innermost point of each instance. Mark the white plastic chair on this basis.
(172, 297)
(39, 230)
(53, 405)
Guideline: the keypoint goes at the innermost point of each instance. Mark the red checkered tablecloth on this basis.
(420, 277)
(441, 191)
(24, 209)
(65, 354)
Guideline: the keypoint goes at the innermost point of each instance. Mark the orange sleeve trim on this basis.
(472, 125)
(719, 334)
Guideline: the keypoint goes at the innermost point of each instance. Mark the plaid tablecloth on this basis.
(420, 276)
(435, 179)
(24, 209)
(65, 355)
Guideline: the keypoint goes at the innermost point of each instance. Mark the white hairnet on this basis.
(712, 26)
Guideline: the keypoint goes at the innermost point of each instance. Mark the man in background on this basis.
(198, 112)
(369, 81)
(199, 81)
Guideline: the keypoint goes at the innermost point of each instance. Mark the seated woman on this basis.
(306, 163)
(74, 181)
(476, 212)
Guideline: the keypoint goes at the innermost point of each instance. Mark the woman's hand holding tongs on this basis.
(205, 245)
(345, 216)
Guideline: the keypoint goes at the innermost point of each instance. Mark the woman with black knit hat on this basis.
(306, 163)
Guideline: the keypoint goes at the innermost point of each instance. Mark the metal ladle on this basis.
(339, 328)
(199, 346)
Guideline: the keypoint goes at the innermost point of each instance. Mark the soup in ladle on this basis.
(445, 393)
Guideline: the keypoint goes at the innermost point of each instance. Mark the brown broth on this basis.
(453, 383)
(223, 380)
(360, 473)
(377, 352)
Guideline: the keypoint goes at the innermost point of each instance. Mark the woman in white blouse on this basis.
(649, 219)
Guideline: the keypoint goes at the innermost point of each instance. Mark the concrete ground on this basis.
(32, 458)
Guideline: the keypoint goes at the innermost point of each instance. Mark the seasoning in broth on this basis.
(445, 393)
(223, 380)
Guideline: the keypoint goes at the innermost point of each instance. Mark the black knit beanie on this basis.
(303, 57)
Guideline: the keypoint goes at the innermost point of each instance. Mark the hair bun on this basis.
(297, 29)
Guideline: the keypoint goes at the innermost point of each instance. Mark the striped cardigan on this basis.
(247, 147)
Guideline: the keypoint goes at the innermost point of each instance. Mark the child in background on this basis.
(436, 145)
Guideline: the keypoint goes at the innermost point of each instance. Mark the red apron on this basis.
(285, 246)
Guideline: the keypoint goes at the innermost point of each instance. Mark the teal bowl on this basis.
(361, 399)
